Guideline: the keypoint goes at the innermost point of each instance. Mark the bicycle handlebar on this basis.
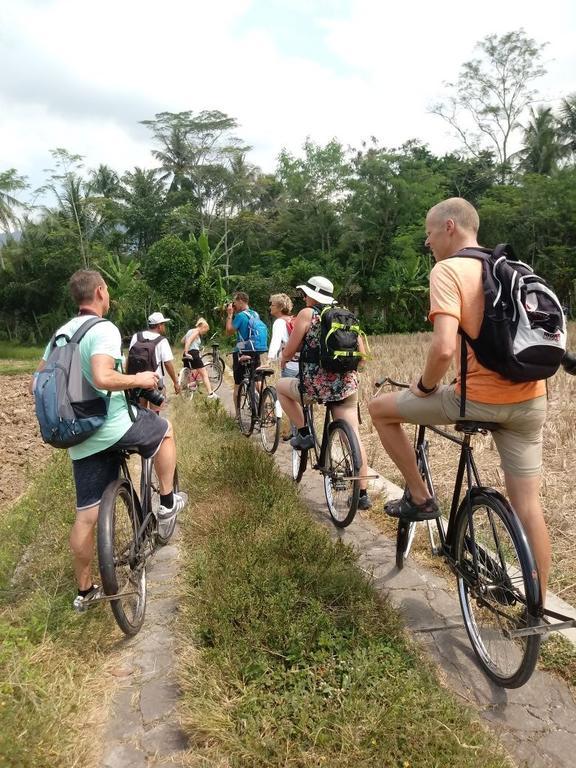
(387, 380)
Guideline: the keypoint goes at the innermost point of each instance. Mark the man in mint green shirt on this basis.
(95, 462)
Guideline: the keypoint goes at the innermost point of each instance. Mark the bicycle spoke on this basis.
(342, 463)
(493, 590)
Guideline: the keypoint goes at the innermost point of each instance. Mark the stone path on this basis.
(536, 723)
(143, 729)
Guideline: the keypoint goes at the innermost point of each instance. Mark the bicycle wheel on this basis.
(244, 409)
(406, 528)
(404, 538)
(161, 540)
(187, 384)
(341, 470)
(498, 588)
(299, 463)
(269, 421)
(214, 369)
(122, 568)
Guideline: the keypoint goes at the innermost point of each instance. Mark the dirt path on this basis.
(23, 449)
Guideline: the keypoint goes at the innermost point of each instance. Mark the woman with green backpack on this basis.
(327, 374)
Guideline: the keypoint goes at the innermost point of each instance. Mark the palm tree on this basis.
(543, 148)
(144, 197)
(568, 121)
(10, 182)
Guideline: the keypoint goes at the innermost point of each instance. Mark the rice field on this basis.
(402, 357)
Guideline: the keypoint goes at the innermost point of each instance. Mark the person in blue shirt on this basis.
(238, 314)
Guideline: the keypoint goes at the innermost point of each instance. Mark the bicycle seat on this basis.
(264, 371)
(476, 427)
(215, 344)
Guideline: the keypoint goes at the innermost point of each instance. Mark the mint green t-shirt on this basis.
(102, 339)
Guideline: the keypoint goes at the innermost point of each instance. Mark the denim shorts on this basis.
(93, 473)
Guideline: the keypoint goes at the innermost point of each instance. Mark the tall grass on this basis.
(287, 655)
(53, 676)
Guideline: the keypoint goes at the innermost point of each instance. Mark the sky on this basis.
(81, 74)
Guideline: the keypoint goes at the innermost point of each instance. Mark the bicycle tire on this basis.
(214, 369)
(299, 464)
(245, 410)
(404, 538)
(407, 528)
(342, 465)
(501, 592)
(122, 569)
(269, 421)
(162, 540)
(186, 391)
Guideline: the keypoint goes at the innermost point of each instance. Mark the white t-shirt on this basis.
(278, 342)
(163, 350)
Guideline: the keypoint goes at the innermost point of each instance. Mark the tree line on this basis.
(182, 236)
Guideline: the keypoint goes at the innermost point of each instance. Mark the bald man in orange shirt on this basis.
(457, 300)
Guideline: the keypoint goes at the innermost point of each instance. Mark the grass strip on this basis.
(288, 657)
(53, 674)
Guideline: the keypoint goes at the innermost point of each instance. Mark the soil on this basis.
(23, 449)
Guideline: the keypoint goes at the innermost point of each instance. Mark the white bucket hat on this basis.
(320, 289)
(156, 318)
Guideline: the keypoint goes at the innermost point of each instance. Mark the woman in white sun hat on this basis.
(320, 385)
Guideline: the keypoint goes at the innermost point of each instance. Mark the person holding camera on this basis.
(162, 354)
(239, 320)
(95, 461)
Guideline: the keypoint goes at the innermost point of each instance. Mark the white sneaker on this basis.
(166, 515)
(212, 396)
(82, 603)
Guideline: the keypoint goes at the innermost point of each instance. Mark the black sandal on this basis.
(409, 510)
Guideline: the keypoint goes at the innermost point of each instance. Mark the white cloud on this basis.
(82, 74)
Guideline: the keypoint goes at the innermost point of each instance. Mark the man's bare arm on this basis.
(105, 376)
(441, 350)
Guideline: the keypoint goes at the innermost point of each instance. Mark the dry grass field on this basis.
(401, 357)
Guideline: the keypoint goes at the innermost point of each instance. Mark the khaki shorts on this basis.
(349, 402)
(518, 439)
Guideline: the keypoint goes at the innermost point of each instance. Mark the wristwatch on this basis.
(425, 390)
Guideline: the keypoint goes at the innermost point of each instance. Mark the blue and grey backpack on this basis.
(257, 334)
(68, 408)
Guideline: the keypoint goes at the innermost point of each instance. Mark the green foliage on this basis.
(171, 266)
(50, 663)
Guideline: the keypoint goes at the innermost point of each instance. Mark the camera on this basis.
(154, 396)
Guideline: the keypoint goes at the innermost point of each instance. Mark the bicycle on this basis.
(128, 534)
(257, 405)
(190, 382)
(485, 547)
(214, 364)
(189, 379)
(337, 457)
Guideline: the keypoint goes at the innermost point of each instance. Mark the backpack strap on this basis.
(463, 373)
(157, 341)
(85, 327)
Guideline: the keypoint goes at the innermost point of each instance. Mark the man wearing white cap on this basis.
(318, 384)
(164, 357)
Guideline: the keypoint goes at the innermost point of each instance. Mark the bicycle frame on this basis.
(142, 503)
(320, 454)
(466, 465)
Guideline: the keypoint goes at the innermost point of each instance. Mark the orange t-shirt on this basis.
(456, 289)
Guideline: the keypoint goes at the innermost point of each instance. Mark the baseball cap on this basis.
(156, 318)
